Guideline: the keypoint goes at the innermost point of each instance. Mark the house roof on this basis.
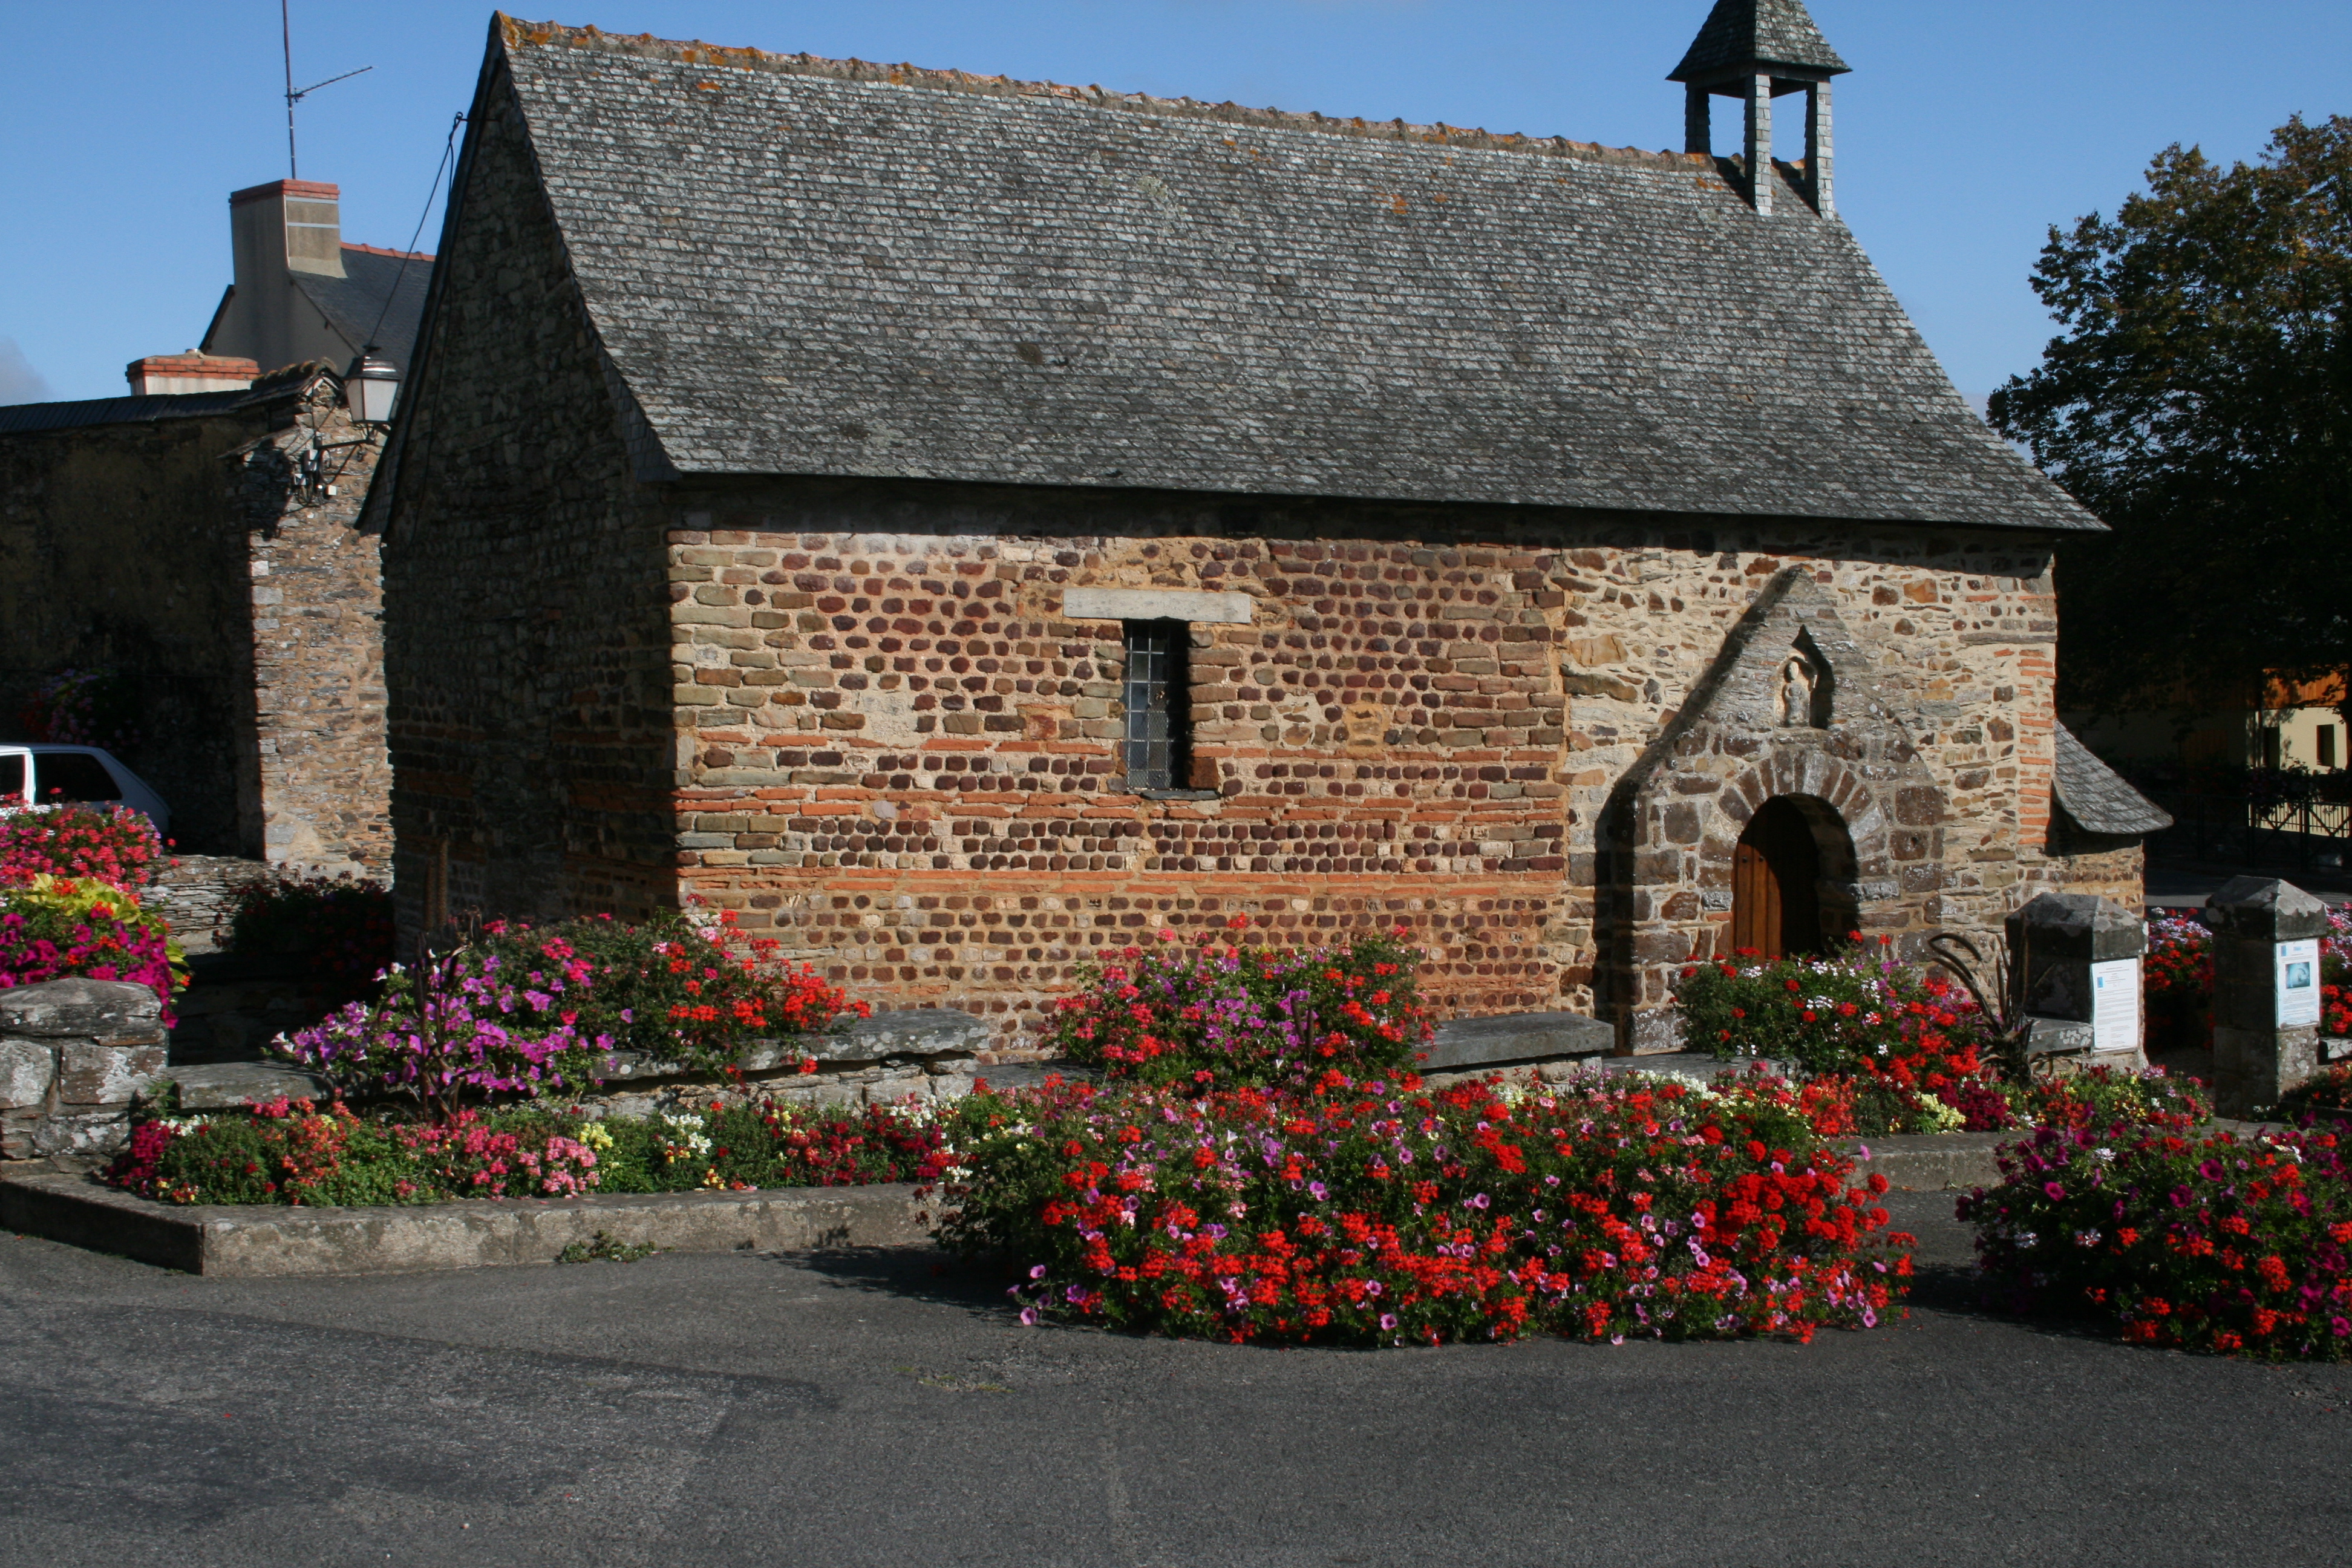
(2096, 796)
(815, 267)
(1742, 33)
(30, 419)
(377, 287)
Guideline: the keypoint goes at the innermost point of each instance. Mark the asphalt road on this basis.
(693, 1412)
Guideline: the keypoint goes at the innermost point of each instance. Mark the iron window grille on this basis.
(1159, 705)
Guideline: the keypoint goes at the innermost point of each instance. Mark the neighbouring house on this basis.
(2295, 723)
(964, 526)
(197, 539)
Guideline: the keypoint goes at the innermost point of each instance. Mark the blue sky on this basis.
(1964, 131)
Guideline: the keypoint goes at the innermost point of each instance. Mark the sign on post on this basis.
(2115, 1004)
(2298, 984)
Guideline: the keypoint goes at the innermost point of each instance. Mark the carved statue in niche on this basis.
(1795, 688)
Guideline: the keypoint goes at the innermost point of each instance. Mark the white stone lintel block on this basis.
(1156, 605)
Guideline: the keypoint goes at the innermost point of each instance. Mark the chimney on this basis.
(280, 234)
(292, 226)
(169, 374)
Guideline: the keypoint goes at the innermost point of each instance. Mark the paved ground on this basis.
(870, 1409)
(2187, 885)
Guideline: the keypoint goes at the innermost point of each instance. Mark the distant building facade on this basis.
(197, 539)
(965, 526)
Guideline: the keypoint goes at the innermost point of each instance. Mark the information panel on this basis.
(2114, 1005)
(2298, 984)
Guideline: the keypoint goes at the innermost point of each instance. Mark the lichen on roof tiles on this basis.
(800, 265)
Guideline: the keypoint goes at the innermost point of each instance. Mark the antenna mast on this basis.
(286, 41)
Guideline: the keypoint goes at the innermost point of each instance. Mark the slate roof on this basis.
(1742, 33)
(376, 287)
(32, 418)
(2096, 798)
(812, 267)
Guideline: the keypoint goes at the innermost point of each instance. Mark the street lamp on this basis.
(370, 386)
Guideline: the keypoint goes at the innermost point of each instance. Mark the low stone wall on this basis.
(924, 1053)
(198, 893)
(74, 1055)
(236, 1005)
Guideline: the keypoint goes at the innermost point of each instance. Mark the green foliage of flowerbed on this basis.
(1236, 1013)
(2239, 1246)
(293, 1152)
(1377, 1212)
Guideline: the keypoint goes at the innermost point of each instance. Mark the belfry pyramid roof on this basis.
(1743, 33)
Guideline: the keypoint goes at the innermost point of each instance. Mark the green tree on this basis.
(2200, 401)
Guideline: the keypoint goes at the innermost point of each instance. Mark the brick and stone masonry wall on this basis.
(903, 757)
(321, 781)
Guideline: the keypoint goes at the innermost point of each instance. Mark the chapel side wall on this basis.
(121, 549)
(322, 780)
(526, 630)
(901, 755)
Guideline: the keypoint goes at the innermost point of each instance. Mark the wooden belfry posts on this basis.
(2266, 977)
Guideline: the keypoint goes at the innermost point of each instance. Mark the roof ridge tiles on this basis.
(645, 46)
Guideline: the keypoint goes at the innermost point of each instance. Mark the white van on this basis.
(46, 775)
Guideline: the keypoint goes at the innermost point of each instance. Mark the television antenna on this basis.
(286, 39)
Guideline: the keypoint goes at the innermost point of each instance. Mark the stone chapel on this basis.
(965, 526)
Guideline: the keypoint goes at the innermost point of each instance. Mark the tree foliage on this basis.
(2200, 401)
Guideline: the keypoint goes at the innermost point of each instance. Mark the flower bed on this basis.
(1379, 1213)
(1234, 1015)
(2179, 980)
(540, 1011)
(111, 843)
(1851, 1013)
(293, 1151)
(2216, 1244)
(53, 928)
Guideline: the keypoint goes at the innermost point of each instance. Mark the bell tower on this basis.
(1756, 51)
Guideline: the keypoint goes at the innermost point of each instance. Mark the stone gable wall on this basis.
(525, 610)
(118, 550)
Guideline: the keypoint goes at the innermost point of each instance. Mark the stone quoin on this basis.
(964, 526)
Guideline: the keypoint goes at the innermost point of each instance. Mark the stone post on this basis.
(2266, 937)
(2075, 968)
(1760, 177)
(74, 1054)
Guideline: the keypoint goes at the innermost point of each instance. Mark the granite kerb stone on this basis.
(284, 1241)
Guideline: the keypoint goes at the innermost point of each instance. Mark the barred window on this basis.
(1159, 705)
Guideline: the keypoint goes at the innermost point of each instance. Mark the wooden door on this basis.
(1775, 908)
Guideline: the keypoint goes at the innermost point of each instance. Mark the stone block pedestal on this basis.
(74, 1054)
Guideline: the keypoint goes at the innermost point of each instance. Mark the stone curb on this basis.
(285, 1242)
(1930, 1162)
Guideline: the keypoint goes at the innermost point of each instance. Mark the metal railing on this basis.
(2303, 834)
